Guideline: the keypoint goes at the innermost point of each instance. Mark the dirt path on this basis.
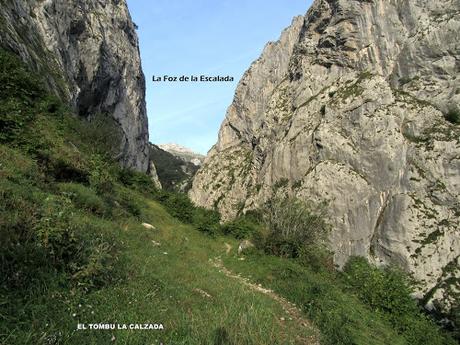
(228, 248)
(289, 308)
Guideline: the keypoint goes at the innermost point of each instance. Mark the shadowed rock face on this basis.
(347, 108)
(88, 52)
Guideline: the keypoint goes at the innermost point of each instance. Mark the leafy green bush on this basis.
(16, 80)
(385, 290)
(179, 206)
(17, 167)
(101, 176)
(136, 180)
(12, 119)
(240, 228)
(122, 204)
(388, 291)
(276, 244)
(23, 100)
(98, 266)
(340, 317)
(42, 233)
(206, 221)
(331, 304)
(328, 308)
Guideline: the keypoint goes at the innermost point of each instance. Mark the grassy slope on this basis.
(159, 288)
(343, 319)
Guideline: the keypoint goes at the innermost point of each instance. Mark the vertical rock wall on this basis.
(348, 108)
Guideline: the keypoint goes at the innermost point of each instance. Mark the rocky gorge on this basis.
(355, 110)
(355, 106)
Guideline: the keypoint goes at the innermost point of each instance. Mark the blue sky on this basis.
(194, 37)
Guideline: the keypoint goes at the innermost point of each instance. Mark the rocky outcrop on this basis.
(348, 108)
(154, 176)
(88, 53)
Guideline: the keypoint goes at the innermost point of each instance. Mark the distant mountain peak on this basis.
(176, 147)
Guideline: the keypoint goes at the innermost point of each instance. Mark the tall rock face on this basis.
(88, 52)
(348, 107)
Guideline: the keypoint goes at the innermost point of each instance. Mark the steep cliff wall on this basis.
(88, 52)
(348, 107)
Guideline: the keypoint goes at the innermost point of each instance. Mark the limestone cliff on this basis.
(349, 107)
(88, 52)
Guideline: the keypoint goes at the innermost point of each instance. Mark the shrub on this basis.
(179, 206)
(254, 216)
(56, 232)
(74, 244)
(84, 198)
(18, 168)
(20, 257)
(101, 176)
(240, 228)
(206, 221)
(124, 204)
(139, 181)
(293, 224)
(98, 265)
(104, 135)
(13, 119)
(388, 291)
(316, 257)
(16, 80)
(60, 169)
(276, 244)
(330, 311)
(453, 116)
